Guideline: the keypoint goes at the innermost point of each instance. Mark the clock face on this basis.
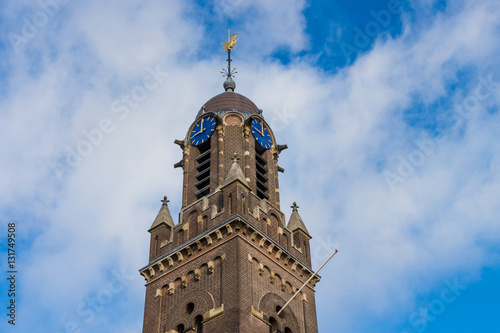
(202, 131)
(261, 133)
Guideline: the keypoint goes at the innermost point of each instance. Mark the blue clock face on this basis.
(261, 133)
(202, 131)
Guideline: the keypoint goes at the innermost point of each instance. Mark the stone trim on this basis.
(212, 314)
(221, 233)
(259, 315)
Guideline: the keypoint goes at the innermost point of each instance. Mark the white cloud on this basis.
(268, 25)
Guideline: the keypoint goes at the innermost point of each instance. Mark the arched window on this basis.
(180, 328)
(278, 309)
(273, 227)
(296, 239)
(198, 326)
(180, 238)
(193, 223)
(287, 330)
(243, 203)
(190, 308)
(284, 241)
(274, 325)
(204, 224)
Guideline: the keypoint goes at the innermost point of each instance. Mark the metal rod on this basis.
(228, 53)
(229, 62)
(310, 278)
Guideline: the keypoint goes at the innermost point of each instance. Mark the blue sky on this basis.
(389, 109)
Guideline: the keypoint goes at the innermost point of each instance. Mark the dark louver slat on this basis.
(203, 174)
(262, 195)
(200, 167)
(203, 156)
(204, 191)
(202, 183)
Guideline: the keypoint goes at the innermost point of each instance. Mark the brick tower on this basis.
(231, 262)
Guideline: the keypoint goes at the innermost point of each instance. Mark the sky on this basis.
(390, 110)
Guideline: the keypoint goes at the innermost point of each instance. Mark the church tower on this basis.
(231, 262)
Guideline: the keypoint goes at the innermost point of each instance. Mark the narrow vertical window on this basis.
(204, 223)
(243, 205)
(284, 241)
(203, 168)
(261, 171)
(274, 325)
(181, 237)
(296, 239)
(198, 326)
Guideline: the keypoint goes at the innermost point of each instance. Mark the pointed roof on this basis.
(163, 216)
(296, 221)
(235, 173)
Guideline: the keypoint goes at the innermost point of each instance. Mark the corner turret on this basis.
(161, 230)
(300, 235)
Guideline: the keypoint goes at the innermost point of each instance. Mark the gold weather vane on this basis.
(231, 41)
(229, 45)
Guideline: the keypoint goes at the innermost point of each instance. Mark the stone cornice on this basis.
(157, 267)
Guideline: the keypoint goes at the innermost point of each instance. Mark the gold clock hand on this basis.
(259, 131)
(195, 134)
(201, 129)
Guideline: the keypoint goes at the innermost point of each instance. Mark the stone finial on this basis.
(294, 207)
(165, 201)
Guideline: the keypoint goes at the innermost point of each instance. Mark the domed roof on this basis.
(229, 100)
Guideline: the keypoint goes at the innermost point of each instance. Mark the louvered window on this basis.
(261, 171)
(203, 168)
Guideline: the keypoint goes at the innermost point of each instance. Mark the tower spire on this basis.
(229, 84)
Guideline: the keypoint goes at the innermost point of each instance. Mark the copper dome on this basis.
(230, 100)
